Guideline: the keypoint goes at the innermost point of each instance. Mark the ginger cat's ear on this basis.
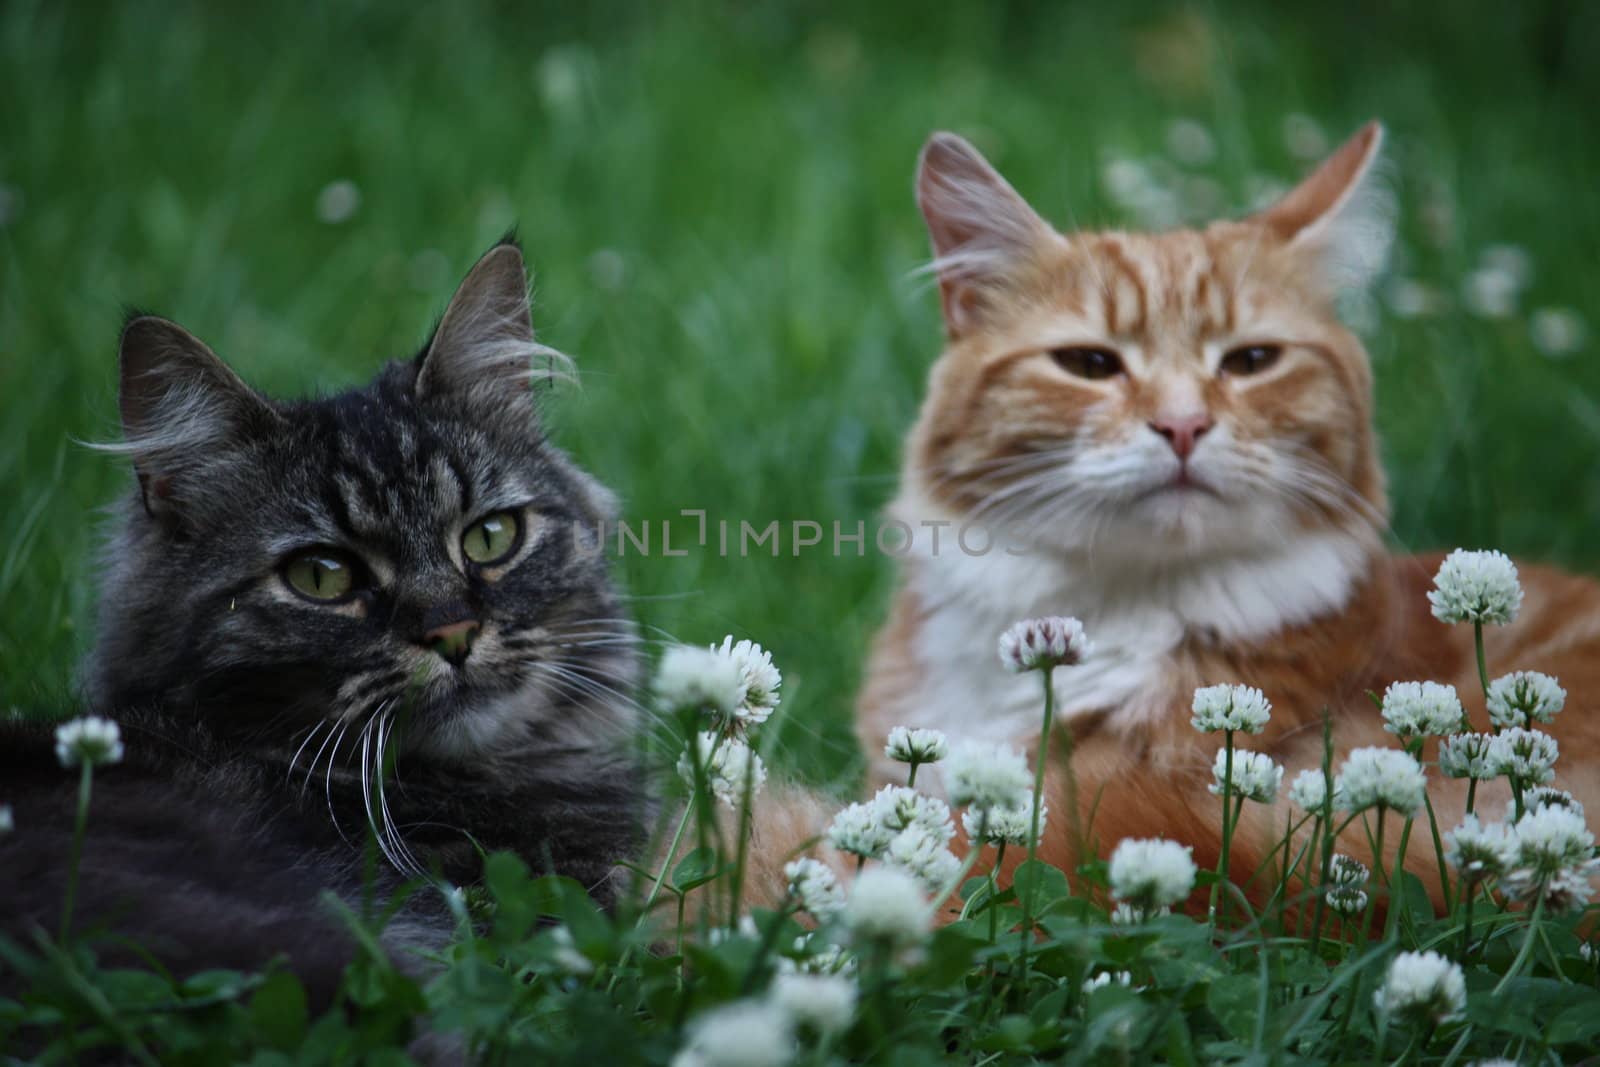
(1343, 213)
(981, 228)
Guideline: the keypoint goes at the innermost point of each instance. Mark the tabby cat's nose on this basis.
(453, 642)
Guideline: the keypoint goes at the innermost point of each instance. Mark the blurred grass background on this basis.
(716, 202)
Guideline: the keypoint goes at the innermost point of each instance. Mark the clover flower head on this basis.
(813, 955)
(1041, 644)
(1347, 870)
(758, 679)
(1003, 826)
(825, 1003)
(1151, 873)
(812, 884)
(1468, 756)
(746, 1033)
(1478, 850)
(1255, 776)
(1346, 900)
(90, 740)
(1345, 890)
(857, 830)
(1126, 914)
(899, 808)
(1568, 890)
(923, 854)
(1480, 587)
(1230, 707)
(1421, 709)
(1387, 777)
(887, 904)
(1546, 796)
(1309, 791)
(983, 775)
(1527, 757)
(1422, 987)
(1551, 839)
(1106, 978)
(699, 680)
(917, 746)
(730, 766)
(1523, 698)
(564, 952)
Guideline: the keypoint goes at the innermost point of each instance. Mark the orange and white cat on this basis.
(1174, 433)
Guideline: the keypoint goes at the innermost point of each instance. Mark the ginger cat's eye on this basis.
(1086, 362)
(320, 574)
(1250, 359)
(491, 540)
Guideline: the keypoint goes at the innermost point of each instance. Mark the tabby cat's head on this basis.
(1152, 397)
(411, 552)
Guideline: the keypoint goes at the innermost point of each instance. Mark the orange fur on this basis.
(1003, 418)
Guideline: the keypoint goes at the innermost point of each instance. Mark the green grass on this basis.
(717, 206)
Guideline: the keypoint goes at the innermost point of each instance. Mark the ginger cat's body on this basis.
(1174, 432)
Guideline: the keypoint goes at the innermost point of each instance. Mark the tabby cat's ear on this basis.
(484, 349)
(180, 406)
(982, 229)
(1344, 213)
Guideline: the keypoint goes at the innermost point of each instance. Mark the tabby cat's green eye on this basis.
(491, 540)
(320, 574)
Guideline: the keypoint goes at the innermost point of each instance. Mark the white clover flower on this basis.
(899, 807)
(1557, 331)
(700, 680)
(90, 740)
(812, 884)
(1040, 644)
(1008, 826)
(1255, 776)
(816, 956)
(1309, 791)
(858, 830)
(1105, 978)
(1551, 839)
(1522, 698)
(1346, 900)
(746, 1033)
(1478, 850)
(982, 775)
(1421, 709)
(1568, 890)
(887, 904)
(923, 854)
(1476, 587)
(564, 952)
(1230, 707)
(1546, 796)
(1127, 915)
(1424, 987)
(1527, 757)
(1468, 756)
(1151, 873)
(825, 1003)
(758, 679)
(8, 821)
(727, 762)
(1345, 891)
(1380, 776)
(916, 746)
(1586, 951)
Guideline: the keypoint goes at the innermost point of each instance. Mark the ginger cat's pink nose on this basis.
(1182, 432)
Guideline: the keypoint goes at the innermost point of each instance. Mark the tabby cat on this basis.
(372, 615)
(1174, 432)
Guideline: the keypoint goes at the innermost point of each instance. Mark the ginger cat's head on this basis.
(1152, 397)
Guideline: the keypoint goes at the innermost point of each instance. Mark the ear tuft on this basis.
(981, 228)
(483, 347)
(1344, 212)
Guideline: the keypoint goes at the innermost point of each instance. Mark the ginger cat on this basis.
(1175, 433)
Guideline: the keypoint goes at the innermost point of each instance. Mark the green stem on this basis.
(1398, 867)
(79, 827)
(1213, 908)
(1483, 665)
(1472, 793)
(994, 892)
(1377, 876)
(1033, 825)
(1438, 855)
(1527, 945)
(1469, 893)
(911, 778)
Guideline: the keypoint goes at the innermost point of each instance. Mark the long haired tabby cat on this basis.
(301, 593)
(1177, 432)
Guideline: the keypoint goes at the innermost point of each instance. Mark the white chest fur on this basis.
(1136, 622)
